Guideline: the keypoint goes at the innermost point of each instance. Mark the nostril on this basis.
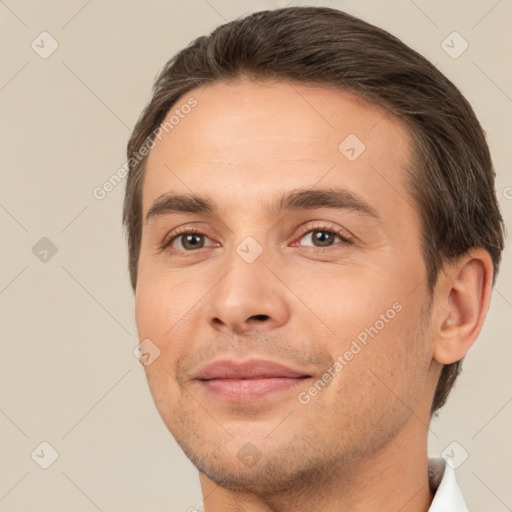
(260, 317)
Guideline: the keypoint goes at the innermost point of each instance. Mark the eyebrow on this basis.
(297, 199)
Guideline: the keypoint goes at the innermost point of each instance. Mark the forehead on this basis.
(245, 139)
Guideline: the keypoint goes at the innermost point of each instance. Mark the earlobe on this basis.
(462, 296)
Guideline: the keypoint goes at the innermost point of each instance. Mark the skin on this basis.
(359, 444)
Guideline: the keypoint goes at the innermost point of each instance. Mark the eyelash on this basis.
(327, 228)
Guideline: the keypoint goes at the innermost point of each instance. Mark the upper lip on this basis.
(247, 369)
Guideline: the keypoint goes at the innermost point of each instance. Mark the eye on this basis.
(189, 239)
(323, 237)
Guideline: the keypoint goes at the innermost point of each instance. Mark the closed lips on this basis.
(251, 369)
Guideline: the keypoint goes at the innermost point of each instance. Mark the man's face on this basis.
(308, 286)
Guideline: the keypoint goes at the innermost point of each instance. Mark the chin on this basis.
(269, 475)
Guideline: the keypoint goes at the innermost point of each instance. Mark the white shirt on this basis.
(447, 497)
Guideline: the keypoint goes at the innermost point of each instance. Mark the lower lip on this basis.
(247, 390)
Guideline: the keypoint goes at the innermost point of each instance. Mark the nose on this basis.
(247, 298)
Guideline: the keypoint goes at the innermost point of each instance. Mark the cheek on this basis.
(150, 311)
(162, 301)
(346, 299)
(386, 376)
(375, 325)
(158, 315)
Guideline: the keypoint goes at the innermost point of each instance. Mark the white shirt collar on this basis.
(447, 497)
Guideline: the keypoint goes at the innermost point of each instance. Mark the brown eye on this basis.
(184, 241)
(187, 240)
(191, 240)
(323, 238)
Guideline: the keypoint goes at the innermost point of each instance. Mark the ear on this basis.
(461, 301)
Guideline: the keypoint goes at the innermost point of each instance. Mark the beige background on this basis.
(67, 372)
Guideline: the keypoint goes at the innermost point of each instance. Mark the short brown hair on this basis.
(453, 179)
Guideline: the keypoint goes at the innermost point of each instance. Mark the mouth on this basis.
(246, 381)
